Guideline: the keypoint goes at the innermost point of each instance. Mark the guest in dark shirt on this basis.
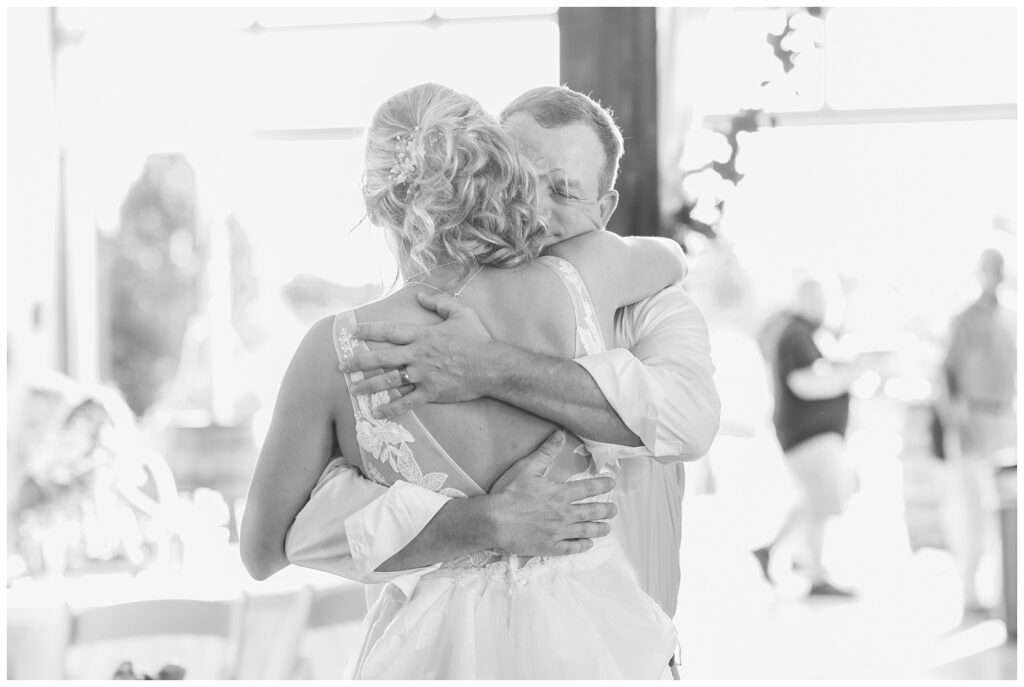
(812, 409)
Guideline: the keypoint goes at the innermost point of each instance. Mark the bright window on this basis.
(268, 107)
(921, 56)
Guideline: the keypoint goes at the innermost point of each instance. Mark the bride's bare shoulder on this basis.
(317, 346)
(400, 306)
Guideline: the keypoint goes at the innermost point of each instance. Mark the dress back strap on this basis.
(589, 339)
(344, 323)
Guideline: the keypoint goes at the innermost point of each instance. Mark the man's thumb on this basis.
(545, 454)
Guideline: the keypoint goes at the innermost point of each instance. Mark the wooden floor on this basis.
(905, 623)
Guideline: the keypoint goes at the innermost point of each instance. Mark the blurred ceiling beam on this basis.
(434, 21)
(341, 133)
(903, 115)
(69, 36)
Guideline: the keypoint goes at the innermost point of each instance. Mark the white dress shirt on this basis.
(660, 382)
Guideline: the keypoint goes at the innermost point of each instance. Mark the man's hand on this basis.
(534, 516)
(525, 514)
(444, 362)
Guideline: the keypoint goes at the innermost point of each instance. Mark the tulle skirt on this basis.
(572, 617)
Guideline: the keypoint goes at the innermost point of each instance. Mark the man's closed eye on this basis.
(562, 191)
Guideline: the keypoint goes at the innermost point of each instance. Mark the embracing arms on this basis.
(297, 448)
(456, 360)
(663, 386)
(351, 526)
(669, 368)
(622, 270)
(363, 531)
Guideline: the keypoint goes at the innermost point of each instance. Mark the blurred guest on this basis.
(812, 408)
(980, 369)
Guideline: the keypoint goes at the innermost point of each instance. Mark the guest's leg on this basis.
(816, 548)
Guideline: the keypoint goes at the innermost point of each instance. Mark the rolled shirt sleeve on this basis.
(351, 525)
(663, 385)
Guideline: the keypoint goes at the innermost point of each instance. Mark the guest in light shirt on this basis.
(980, 406)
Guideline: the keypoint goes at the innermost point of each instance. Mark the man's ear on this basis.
(606, 204)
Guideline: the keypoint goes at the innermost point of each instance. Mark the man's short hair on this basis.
(555, 106)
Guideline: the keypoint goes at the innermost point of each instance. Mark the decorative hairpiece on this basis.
(405, 164)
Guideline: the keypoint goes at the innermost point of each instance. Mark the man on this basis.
(812, 409)
(655, 400)
(980, 372)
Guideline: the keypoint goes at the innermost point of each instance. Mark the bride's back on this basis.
(452, 187)
(527, 306)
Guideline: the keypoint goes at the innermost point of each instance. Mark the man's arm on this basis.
(950, 402)
(660, 396)
(663, 387)
(812, 376)
(823, 379)
(363, 531)
(558, 389)
(456, 360)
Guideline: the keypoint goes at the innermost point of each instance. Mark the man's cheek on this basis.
(588, 218)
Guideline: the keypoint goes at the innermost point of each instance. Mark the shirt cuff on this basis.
(386, 526)
(628, 390)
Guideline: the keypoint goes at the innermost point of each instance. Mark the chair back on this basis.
(329, 607)
(274, 625)
(169, 617)
(336, 606)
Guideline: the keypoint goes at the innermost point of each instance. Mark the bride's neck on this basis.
(440, 276)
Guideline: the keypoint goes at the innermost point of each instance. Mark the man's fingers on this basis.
(380, 358)
(388, 332)
(441, 303)
(542, 458)
(571, 546)
(591, 512)
(592, 486)
(392, 379)
(588, 530)
(402, 405)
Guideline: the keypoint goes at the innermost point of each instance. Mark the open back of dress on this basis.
(403, 448)
(490, 615)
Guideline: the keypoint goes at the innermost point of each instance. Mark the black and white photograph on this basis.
(400, 342)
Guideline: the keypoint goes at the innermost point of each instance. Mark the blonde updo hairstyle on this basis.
(450, 183)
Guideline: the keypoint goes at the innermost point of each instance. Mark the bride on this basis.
(460, 205)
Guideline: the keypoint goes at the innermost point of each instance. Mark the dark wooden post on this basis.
(609, 53)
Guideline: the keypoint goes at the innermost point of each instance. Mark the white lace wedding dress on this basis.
(491, 615)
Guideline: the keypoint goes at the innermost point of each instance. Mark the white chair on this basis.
(274, 625)
(342, 605)
(160, 617)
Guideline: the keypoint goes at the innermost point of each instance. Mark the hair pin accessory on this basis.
(405, 165)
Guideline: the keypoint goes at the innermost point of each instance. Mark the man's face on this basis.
(990, 270)
(569, 160)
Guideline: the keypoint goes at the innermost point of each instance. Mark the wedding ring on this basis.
(403, 374)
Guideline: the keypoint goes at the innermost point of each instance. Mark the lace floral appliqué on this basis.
(388, 442)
